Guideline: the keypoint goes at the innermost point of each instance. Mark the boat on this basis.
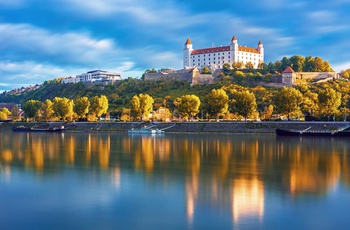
(148, 130)
(23, 128)
(342, 132)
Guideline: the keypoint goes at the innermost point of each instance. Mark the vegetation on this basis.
(237, 94)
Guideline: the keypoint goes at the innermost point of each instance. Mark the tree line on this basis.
(230, 102)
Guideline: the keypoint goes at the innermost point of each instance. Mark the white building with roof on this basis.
(94, 76)
(215, 57)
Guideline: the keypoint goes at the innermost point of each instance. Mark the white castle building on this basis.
(95, 76)
(215, 57)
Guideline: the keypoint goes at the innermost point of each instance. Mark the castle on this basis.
(216, 57)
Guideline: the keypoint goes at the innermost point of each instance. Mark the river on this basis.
(173, 181)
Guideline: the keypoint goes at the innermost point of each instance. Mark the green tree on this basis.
(309, 64)
(188, 105)
(141, 105)
(47, 110)
(297, 63)
(288, 100)
(271, 68)
(278, 66)
(329, 101)
(81, 106)
(226, 68)
(99, 105)
(216, 102)
(285, 63)
(62, 107)
(245, 104)
(206, 70)
(31, 108)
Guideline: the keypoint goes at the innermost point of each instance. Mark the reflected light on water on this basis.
(247, 199)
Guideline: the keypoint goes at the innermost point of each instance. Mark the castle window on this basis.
(209, 59)
(214, 54)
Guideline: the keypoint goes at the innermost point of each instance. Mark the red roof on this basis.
(223, 49)
(188, 42)
(234, 38)
(247, 49)
(211, 50)
(288, 70)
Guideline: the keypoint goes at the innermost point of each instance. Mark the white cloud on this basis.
(11, 3)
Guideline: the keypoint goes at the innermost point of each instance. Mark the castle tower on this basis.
(234, 49)
(261, 50)
(188, 48)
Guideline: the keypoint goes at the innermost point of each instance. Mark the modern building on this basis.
(95, 76)
(216, 57)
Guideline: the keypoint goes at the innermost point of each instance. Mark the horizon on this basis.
(41, 42)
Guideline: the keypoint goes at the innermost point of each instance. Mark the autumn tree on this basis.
(216, 102)
(4, 113)
(329, 101)
(15, 113)
(288, 100)
(47, 110)
(62, 107)
(188, 105)
(99, 105)
(206, 70)
(31, 108)
(141, 105)
(245, 104)
(81, 106)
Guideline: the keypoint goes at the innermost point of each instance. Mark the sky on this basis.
(44, 39)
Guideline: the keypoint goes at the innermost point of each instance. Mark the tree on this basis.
(226, 68)
(245, 104)
(249, 66)
(329, 101)
(288, 100)
(47, 110)
(271, 68)
(309, 64)
(206, 70)
(217, 102)
(267, 113)
(81, 106)
(31, 108)
(15, 113)
(285, 63)
(99, 105)
(278, 66)
(62, 107)
(188, 105)
(309, 103)
(297, 63)
(141, 105)
(4, 113)
(318, 67)
(237, 65)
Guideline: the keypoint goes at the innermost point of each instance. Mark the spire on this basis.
(188, 42)
(260, 43)
(234, 38)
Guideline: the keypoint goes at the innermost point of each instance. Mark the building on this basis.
(95, 76)
(215, 57)
(192, 75)
(290, 78)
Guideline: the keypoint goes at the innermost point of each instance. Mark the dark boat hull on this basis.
(283, 132)
(28, 129)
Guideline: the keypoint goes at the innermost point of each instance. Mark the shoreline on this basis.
(262, 128)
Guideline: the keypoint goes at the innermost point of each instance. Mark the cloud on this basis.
(11, 3)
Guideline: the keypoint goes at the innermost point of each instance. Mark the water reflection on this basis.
(224, 172)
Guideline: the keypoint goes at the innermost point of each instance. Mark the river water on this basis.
(173, 181)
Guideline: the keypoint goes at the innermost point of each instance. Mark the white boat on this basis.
(148, 130)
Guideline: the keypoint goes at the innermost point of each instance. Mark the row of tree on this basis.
(63, 108)
(228, 102)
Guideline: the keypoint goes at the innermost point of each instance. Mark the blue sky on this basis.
(44, 39)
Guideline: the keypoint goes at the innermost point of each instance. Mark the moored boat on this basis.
(23, 128)
(342, 132)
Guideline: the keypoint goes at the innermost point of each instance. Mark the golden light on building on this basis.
(247, 199)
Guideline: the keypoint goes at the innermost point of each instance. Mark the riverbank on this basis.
(183, 127)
